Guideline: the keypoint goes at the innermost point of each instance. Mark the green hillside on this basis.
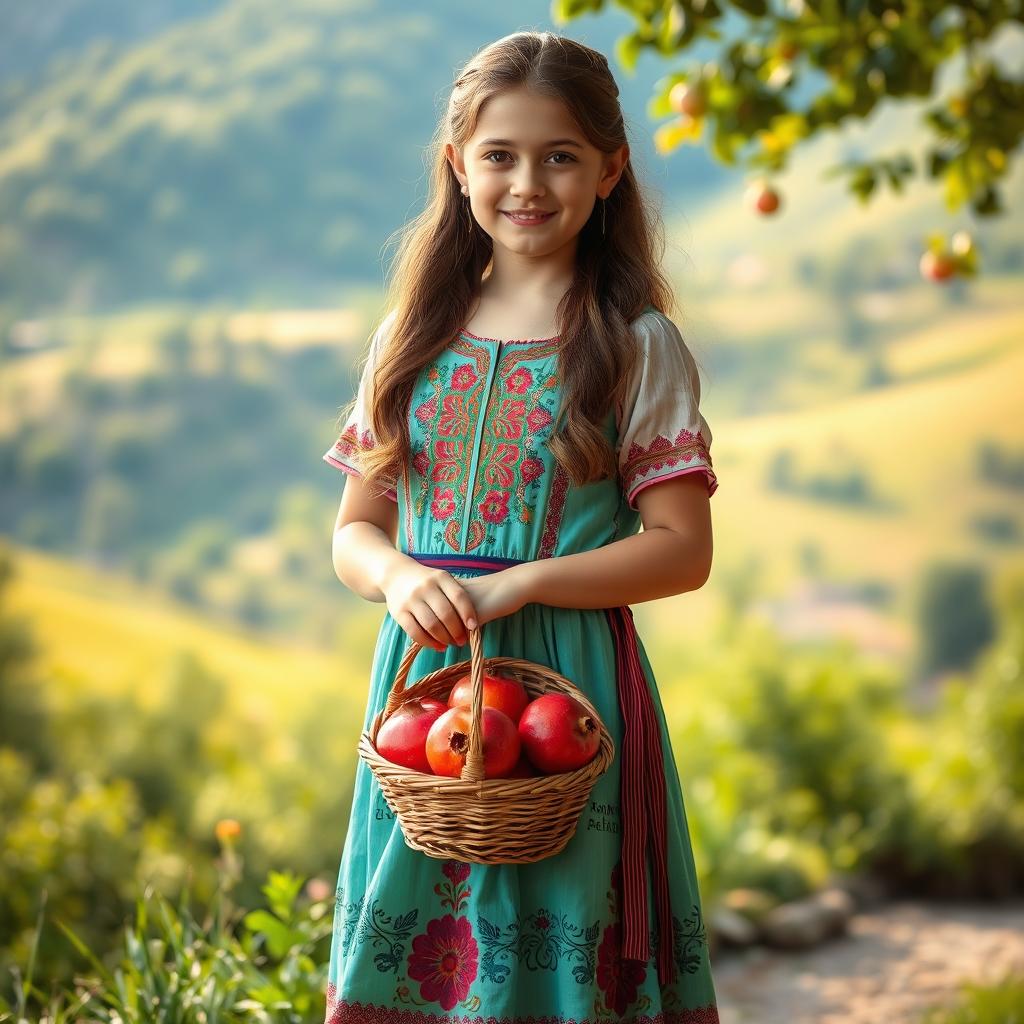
(256, 153)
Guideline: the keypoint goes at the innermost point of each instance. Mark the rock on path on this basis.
(894, 962)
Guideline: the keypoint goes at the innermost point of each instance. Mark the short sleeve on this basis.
(662, 433)
(357, 435)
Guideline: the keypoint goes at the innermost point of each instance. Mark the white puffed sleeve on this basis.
(357, 435)
(662, 433)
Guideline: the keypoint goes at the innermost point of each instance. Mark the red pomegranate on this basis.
(523, 769)
(402, 737)
(558, 733)
(508, 695)
(434, 703)
(448, 743)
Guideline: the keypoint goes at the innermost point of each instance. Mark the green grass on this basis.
(999, 1003)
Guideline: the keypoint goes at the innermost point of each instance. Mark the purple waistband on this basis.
(473, 563)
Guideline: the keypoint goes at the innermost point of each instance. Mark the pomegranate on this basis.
(508, 695)
(688, 99)
(558, 733)
(763, 198)
(448, 742)
(523, 769)
(937, 266)
(402, 737)
(434, 703)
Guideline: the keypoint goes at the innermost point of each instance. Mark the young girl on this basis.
(522, 397)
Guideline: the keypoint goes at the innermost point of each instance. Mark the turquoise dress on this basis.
(590, 934)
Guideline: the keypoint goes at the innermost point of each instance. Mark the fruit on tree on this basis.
(763, 198)
(687, 99)
(936, 266)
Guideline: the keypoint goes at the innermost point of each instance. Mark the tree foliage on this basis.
(849, 57)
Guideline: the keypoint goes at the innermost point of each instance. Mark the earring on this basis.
(465, 190)
(603, 205)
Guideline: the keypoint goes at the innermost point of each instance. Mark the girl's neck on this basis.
(528, 313)
(515, 277)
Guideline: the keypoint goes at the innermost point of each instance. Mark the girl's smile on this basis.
(528, 220)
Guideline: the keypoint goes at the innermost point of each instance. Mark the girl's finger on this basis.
(429, 612)
(462, 605)
(416, 632)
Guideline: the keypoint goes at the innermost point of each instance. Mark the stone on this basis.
(732, 928)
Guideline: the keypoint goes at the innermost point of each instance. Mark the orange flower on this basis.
(227, 830)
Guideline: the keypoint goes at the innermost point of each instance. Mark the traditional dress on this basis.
(610, 929)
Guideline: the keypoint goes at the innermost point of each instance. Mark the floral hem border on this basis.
(366, 1013)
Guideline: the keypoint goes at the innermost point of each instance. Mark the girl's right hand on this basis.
(431, 606)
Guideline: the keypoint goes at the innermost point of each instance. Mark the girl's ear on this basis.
(615, 164)
(458, 165)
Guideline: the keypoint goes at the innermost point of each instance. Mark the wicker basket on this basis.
(483, 821)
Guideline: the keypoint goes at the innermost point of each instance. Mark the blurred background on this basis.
(195, 200)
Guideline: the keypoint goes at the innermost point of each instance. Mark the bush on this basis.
(999, 1003)
(265, 964)
(954, 616)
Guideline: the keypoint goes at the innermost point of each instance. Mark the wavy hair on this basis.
(443, 255)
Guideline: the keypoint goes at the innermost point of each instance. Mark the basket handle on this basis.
(473, 769)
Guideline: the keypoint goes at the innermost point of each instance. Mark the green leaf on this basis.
(627, 50)
(565, 10)
(723, 144)
(280, 938)
(281, 890)
(86, 952)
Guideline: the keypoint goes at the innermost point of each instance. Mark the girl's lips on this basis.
(528, 222)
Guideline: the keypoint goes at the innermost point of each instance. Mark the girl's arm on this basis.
(364, 557)
(671, 556)
(363, 547)
(429, 604)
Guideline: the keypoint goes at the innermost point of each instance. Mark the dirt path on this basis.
(895, 961)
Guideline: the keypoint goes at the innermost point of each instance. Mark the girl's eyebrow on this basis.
(553, 142)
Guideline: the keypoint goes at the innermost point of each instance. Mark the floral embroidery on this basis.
(444, 958)
(343, 1012)
(540, 941)
(556, 507)
(347, 449)
(662, 453)
(688, 938)
(618, 979)
(385, 933)
(516, 408)
(516, 421)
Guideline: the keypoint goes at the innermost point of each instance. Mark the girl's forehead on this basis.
(524, 117)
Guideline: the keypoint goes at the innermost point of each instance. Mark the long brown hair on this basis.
(443, 254)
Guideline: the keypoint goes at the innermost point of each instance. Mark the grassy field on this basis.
(98, 630)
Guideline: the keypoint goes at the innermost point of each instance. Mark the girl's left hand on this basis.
(496, 594)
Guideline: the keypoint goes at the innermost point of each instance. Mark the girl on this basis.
(521, 398)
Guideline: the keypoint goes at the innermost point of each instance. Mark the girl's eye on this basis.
(501, 152)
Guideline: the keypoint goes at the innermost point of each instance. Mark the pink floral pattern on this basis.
(444, 957)
(444, 960)
(448, 957)
(512, 410)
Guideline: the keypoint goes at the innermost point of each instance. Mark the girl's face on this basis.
(527, 154)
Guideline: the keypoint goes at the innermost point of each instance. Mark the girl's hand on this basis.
(430, 605)
(497, 594)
